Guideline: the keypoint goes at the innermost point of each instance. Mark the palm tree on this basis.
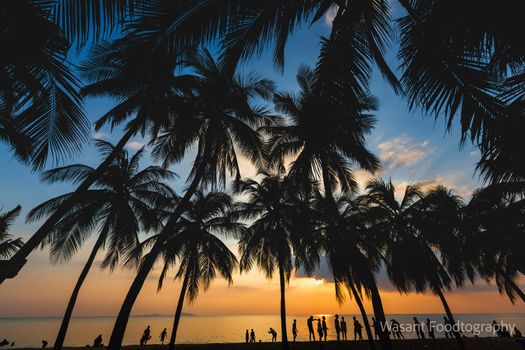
(410, 238)
(198, 249)
(8, 245)
(124, 201)
(146, 92)
(220, 122)
(349, 250)
(273, 237)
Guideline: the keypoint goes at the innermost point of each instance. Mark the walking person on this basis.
(294, 330)
(417, 328)
(252, 336)
(320, 329)
(163, 336)
(430, 327)
(247, 336)
(273, 332)
(325, 328)
(343, 327)
(358, 330)
(310, 324)
(145, 336)
(337, 327)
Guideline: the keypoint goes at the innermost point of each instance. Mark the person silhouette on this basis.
(145, 336)
(430, 328)
(163, 336)
(358, 329)
(247, 336)
(252, 336)
(376, 327)
(319, 329)
(4, 342)
(44, 344)
(310, 324)
(517, 333)
(12, 344)
(294, 329)
(274, 334)
(97, 343)
(337, 328)
(343, 327)
(325, 328)
(396, 329)
(418, 329)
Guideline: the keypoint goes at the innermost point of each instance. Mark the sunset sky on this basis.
(413, 149)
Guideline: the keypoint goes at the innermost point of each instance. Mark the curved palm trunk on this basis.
(18, 260)
(282, 282)
(178, 312)
(59, 342)
(359, 302)
(115, 342)
(379, 313)
(439, 292)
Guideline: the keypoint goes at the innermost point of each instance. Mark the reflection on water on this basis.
(200, 329)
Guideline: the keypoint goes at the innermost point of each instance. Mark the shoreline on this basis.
(407, 344)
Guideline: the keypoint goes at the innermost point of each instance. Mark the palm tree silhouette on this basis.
(8, 245)
(125, 200)
(273, 237)
(220, 122)
(198, 249)
(410, 237)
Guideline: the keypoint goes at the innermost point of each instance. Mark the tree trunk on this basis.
(178, 312)
(379, 313)
(59, 342)
(18, 260)
(457, 335)
(284, 334)
(359, 302)
(121, 322)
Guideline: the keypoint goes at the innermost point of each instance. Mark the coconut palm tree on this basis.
(220, 123)
(124, 202)
(409, 252)
(198, 250)
(8, 245)
(273, 237)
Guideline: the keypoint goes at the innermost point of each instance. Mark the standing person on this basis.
(273, 332)
(325, 328)
(294, 329)
(163, 336)
(343, 327)
(358, 329)
(419, 331)
(376, 328)
(252, 336)
(310, 324)
(247, 336)
(430, 327)
(337, 327)
(319, 329)
(396, 330)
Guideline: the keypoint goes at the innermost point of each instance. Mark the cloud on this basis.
(98, 135)
(135, 145)
(431, 183)
(402, 151)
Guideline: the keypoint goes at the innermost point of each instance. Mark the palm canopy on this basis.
(324, 147)
(40, 106)
(8, 245)
(124, 201)
(219, 119)
(196, 245)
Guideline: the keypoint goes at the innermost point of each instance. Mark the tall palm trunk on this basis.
(115, 342)
(379, 313)
(459, 340)
(282, 282)
(18, 260)
(359, 302)
(59, 342)
(178, 312)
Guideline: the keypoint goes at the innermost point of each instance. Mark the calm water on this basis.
(29, 332)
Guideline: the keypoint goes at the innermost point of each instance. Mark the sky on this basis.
(413, 148)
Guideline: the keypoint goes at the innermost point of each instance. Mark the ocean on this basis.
(29, 332)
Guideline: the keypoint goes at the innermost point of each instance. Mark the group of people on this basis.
(146, 336)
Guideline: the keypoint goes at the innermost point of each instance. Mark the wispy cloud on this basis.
(402, 151)
(135, 145)
(98, 135)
